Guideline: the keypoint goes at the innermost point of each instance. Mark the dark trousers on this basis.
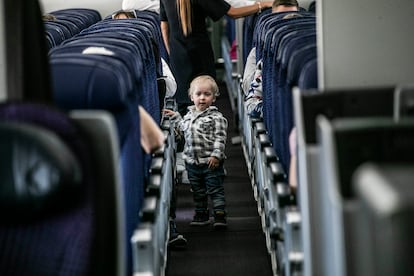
(206, 183)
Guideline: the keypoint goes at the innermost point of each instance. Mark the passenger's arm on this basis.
(165, 31)
(249, 70)
(152, 138)
(240, 3)
(248, 10)
(170, 82)
(293, 159)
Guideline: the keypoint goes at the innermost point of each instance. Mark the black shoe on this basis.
(201, 218)
(176, 239)
(220, 221)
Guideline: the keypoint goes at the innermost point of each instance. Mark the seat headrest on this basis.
(39, 172)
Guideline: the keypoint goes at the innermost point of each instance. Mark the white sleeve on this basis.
(240, 3)
(249, 70)
(142, 5)
(170, 83)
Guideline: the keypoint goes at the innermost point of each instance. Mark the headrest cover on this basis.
(39, 173)
(98, 51)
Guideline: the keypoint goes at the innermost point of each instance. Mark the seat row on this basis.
(323, 227)
(63, 24)
(115, 64)
(285, 45)
(89, 190)
(347, 149)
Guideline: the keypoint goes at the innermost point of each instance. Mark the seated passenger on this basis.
(252, 76)
(48, 17)
(124, 14)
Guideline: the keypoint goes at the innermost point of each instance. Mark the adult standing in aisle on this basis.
(185, 34)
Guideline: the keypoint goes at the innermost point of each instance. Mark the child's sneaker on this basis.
(220, 220)
(201, 218)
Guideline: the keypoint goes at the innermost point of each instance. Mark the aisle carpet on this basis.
(240, 250)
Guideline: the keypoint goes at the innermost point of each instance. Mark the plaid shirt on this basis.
(205, 134)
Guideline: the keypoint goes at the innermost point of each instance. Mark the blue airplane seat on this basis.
(90, 15)
(87, 16)
(62, 28)
(151, 18)
(99, 82)
(249, 26)
(266, 26)
(54, 34)
(69, 22)
(150, 99)
(75, 23)
(60, 196)
(385, 229)
(276, 90)
(296, 62)
(345, 145)
(124, 54)
(152, 33)
(308, 78)
(308, 105)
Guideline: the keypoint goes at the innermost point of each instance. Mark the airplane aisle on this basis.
(239, 250)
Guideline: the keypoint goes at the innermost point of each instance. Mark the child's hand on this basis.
(213, 162)
(168, 112)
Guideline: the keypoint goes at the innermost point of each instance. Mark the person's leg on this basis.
(175, 239)
(215, 189)
(181, 172)
(195, 175)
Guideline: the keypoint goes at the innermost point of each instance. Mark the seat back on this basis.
(68, 22)
(385, 226)
(404, 101)
(280, 58)
(94, 76)
(345, 145)
(308, 78)
(61, 198)
(307, 105)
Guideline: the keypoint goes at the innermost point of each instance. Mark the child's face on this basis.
(202, 96)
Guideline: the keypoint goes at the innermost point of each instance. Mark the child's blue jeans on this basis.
(206, 183)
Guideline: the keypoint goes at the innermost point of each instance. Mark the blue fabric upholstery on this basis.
(142, 35)
(249, 26)
(88, 17)
(308, 78)
(117, 83)
(61, 243)
(101, 82)
(68, 23)
(276, 47)
(122, 53)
